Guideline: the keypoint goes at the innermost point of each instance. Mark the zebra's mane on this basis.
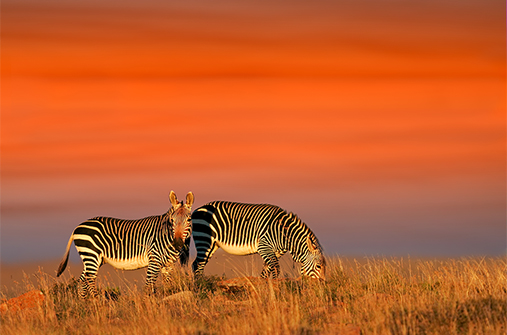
(295, 220)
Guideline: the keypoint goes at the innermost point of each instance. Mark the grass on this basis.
(373, 296)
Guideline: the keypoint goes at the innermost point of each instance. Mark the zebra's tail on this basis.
(65, 258)
(185, 252)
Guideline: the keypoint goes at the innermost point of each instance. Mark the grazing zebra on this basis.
(244, 229)
(154, 242)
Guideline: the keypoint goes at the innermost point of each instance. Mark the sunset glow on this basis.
(382, 126)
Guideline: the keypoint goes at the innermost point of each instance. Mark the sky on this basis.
(381, 124)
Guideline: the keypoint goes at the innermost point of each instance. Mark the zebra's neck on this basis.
(163, 230)
(295, 231)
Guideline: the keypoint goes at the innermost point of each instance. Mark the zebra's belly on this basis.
(129, 264)
(238, 249)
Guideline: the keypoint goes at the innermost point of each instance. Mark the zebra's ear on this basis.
(174, 200)
(190, 199)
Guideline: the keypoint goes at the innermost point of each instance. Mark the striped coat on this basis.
(243, 229)
(155, 242)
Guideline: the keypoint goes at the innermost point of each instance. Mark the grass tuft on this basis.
(372, 296)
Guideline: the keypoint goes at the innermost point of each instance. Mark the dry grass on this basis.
(374, 296)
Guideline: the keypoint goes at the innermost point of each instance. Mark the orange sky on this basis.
(263, 102)
(251, 38)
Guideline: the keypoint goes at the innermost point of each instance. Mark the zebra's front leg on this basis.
(198, 268)
(167, 272)
(154, 268)
(202, 258)
(271, 264)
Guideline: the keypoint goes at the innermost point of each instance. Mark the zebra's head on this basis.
(314, 265)
(179, 219)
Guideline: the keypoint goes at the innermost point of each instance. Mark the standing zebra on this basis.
(244, 229)
(154, 242)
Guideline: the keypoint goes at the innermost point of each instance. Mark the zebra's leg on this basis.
(88, 285)
(154, 268)
(271, 264)
(82, 287)
(88, 277)
(167, 271)
(202, 258)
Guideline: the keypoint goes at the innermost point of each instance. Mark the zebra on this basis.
(244, 229)
(155, 242)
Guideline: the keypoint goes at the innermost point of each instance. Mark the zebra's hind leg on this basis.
(91, 265)
(87, 285)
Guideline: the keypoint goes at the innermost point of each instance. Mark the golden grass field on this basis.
(366, 296)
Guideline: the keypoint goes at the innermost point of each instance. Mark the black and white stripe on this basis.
(243, 229)
(155, 242)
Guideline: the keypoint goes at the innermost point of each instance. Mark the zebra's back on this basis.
(235, 227)
(122, 243)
